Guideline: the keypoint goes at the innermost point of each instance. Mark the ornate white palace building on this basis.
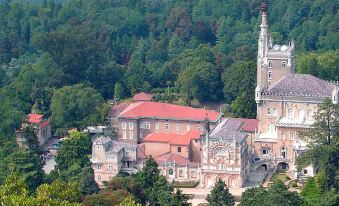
(189, 148)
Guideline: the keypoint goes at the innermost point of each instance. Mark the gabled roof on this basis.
(302, 85)
(160, 137)
(170, 157)
(159, 110)
(249, 125)
(34, 118)
(116, 110)
(186, 138)
(143, 97)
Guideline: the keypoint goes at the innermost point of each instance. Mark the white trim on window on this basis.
(130, 125)
(123, 125)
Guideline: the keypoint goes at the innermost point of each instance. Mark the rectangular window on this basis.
(157, 125)
(167, 126)
(146, 125)
(292, 136)
(99, 178)
(131, 135)
(179, 149)
(98, 147)
(188, 128)
(127, 154)
(271, 111)
(99, 167)
(130, 125)
(124, 135)
(265, 152)
(301, 114)
(123, 125)
(110, 168)
(141, 134)
(199, 127)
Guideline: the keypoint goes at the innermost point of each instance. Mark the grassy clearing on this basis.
(279, 176)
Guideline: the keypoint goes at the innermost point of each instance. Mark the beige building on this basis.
(286, 104)
(193, 144)
(225, 155)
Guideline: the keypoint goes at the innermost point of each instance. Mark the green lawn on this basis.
(279, 176)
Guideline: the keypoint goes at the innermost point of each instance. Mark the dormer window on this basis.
(283, 64)
(269, 75)
(270, 64)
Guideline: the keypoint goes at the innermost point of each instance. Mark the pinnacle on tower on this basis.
(263, 6)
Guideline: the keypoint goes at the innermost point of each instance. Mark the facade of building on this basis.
(192, 144)
(286, 104)
(140, 119)
(225, 155)
(41, 128)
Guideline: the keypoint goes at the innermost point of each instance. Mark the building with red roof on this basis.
(185, 145)
(41, 128)
(140, 119)
(143, 97)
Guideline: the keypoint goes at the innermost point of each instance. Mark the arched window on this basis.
(301, 114)
(193, 174)
(290, 113)
(266, 151)
(269, 75)
(283, 152)
(180, 173)
(309, 115)
(283, 136)
(270, 64)
(283, 64)
(170, 171)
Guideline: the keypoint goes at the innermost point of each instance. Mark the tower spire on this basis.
(263, 45)
(263, 38)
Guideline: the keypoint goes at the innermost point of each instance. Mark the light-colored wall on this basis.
(156, 148)
(185, 150)
(183, 127)
(189, 173)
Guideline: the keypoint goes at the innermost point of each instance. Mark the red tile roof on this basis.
(168, 111)
(44, 124)
(160, 137)
(35, 118)
(116, 110)
(143, 97)
(173, 139)
(170, 157)
(185, 139)
(249, 125)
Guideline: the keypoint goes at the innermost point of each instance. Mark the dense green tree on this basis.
(220, 195)
(74, 150)
(58, 191)
(26, 164)
(254, 197)
(311, 192)
(75, 106)
(88, 184)
(199, 81)
(278, 195)
(323, 138)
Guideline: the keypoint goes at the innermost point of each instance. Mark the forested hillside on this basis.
(202, 50)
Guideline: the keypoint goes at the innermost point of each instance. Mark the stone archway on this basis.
(223, 178)
(282, 166)
(262, 168)
(209, 183)
(233, 181)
